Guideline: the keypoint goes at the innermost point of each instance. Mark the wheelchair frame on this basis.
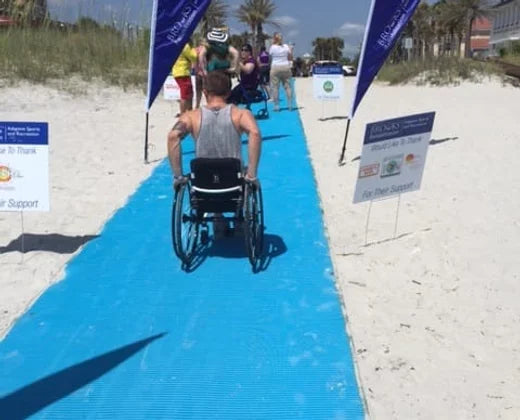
(262, 113)
(193, 207)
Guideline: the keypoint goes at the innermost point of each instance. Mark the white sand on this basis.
(434, 314)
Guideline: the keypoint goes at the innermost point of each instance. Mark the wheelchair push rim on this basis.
(254, 222)
(185, 229)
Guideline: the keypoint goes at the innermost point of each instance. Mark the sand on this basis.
(96, 143)
(433, 312)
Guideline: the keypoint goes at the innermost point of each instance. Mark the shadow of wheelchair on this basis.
(234, 247)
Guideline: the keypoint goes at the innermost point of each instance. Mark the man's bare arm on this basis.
(180, 130)
(202, 59)
(235, 57)
(254, 143)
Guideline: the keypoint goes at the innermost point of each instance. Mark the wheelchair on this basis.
(216, 186)
(257, 95)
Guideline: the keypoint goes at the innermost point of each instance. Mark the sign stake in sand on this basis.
(396, 217)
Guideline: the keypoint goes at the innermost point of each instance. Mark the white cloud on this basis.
(350, 29)
(351, 49)
(285, 21)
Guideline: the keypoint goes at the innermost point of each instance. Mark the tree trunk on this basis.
(467, 47)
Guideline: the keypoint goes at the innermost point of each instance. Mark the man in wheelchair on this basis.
(248, 90)
(216, 129)
(218, 182)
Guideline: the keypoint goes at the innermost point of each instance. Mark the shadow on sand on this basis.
(50, 242)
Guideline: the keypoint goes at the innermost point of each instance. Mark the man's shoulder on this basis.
(241, 114)
(190, 116)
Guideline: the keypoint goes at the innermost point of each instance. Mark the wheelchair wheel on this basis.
(185, 228)
(254, 222)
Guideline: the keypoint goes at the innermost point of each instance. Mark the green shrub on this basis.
(438, 71)
(40, 54)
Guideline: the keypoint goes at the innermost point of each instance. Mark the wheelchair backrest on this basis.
(216, 174)
(217, 184)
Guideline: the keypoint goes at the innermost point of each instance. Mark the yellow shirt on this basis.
(182, 66)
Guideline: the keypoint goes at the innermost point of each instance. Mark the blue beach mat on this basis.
(128, 335)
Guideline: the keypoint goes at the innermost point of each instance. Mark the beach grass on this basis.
(439, 71)
(41, 54)
(512, 58)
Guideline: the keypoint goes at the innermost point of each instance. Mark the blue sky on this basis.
(300, 20)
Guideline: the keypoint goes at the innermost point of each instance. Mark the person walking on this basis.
(182, 73)
(281, 58)
(264, 68)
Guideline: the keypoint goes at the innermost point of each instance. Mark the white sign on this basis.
(393, 157)
(171, 89)
(408, 43)
(327, 82)
(24, 166)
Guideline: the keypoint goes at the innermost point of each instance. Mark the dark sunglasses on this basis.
(246, 49)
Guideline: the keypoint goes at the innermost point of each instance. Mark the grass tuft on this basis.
(41, 54)
(438, 72)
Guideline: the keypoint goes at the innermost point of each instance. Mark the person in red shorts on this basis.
(182, 73)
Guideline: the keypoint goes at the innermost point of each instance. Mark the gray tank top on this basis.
(218, 137)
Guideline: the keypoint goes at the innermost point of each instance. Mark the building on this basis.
(506, 25)
(480, 36)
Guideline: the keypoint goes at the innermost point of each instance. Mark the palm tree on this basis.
(215, 15)
(450, 20)
(241, 39)
(472, 10)
(422, 30)
(30, 10)
(255, 14)
(319, 48)
(335, 47)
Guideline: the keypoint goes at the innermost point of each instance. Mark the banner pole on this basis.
(146, 141)
(342, 157)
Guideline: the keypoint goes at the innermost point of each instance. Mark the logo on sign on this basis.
(369, 170)
(392, 165)
(328, 86)
(5, 173)
(385, 128)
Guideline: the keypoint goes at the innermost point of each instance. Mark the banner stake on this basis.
(342, 161)
(146, 140)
